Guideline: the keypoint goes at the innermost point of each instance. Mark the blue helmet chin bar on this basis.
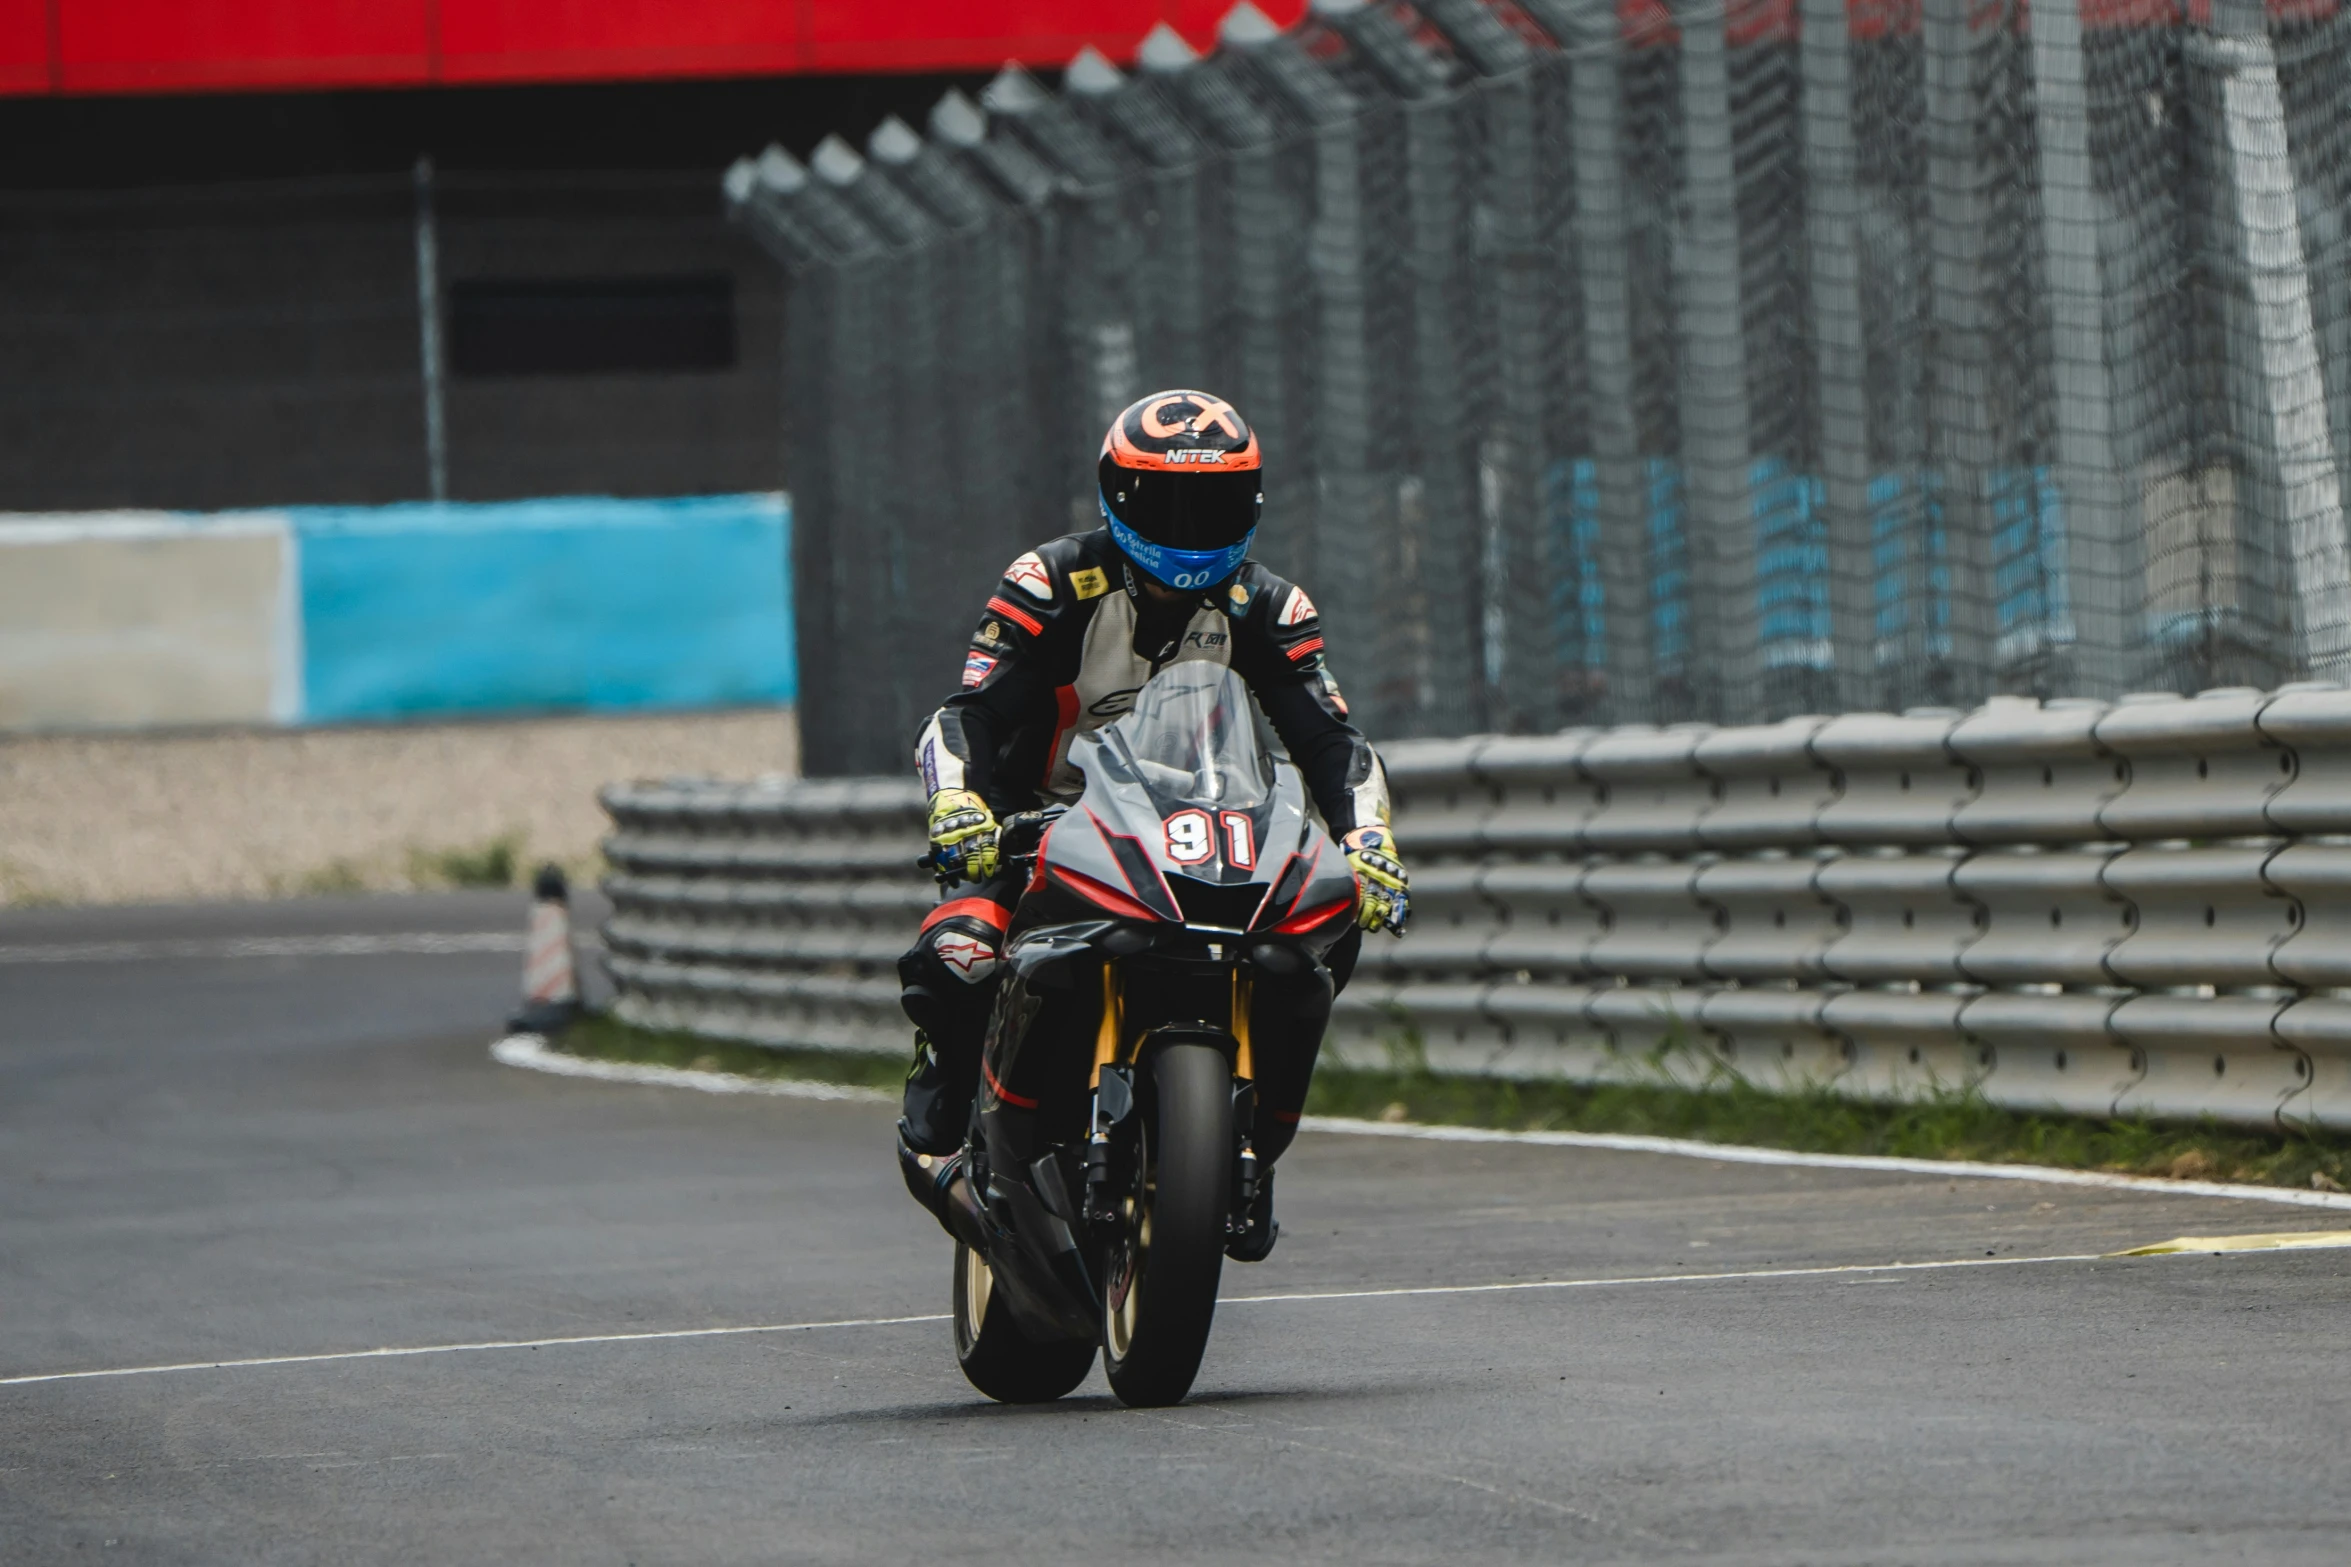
(1186, 569)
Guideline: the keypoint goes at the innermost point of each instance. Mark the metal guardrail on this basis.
(2137, 908)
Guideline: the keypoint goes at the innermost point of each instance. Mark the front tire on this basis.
(996, 1357)
(1159, 1298)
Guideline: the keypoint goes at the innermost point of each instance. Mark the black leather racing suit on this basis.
(1066, 641)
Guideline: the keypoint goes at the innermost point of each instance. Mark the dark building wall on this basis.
(664, 432)
(211, 303)
(208, 347)
(258, 344)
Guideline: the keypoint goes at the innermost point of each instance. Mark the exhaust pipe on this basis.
(942, 1184)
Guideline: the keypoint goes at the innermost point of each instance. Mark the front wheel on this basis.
(996, 1356)
(1159, 1297)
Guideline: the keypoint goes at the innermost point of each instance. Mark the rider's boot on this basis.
(1255, 1243)
(936, 1110)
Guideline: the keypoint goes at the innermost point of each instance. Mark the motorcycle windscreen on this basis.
(1191, 741)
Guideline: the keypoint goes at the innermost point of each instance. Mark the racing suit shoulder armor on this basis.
(1071, 569)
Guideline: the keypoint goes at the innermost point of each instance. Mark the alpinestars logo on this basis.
(1298, 611)
(1030, 576)
(971, 960)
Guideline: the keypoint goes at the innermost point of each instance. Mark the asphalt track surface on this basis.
(214, 1148)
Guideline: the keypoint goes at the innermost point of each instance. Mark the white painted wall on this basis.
(148, 619)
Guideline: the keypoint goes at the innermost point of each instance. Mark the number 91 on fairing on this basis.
(1191, 838)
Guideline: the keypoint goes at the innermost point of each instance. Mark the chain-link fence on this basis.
(1653, 360)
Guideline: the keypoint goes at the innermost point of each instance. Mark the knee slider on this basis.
(964, 950)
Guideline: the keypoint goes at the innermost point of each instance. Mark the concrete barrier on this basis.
(313, 615)
(132, 620)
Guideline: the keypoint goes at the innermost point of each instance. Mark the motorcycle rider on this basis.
(1069, 636)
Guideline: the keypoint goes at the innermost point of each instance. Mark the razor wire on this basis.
(1649, 361)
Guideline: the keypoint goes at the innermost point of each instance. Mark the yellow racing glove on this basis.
(1383, 900)
(963, 837)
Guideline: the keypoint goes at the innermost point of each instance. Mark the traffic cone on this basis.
(550, 985)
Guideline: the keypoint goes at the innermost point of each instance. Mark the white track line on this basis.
(1733, 1153)
(1304, 1297)
(420, 943)
(531, 1052)
(461, 1349)
(1516, 1285)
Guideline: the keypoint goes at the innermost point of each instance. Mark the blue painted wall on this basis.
(581, 603)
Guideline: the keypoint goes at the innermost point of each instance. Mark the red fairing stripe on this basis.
(986, 910)
(1014, 613)
(1017, 1101)
(1305, 881)
(1110, 840)
(1310, 645)
(1110, 898)
(1299, 924)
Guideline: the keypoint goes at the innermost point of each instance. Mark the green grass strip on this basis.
(1955, 1124)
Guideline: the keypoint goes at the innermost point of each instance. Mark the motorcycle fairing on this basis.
(1191, 860)
(1187, 820)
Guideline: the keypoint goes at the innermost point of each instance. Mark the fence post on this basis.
(980, 286)
(1354, 511)
(1518, 639)
(428, 333)
(1100, 370)
(1959, 372)
(1596, 43)
(1725, 620)
(2104, 574)
(1832, 205)
(1438, 523)
(1164, 168)
(2273, 343)
(1254, 215)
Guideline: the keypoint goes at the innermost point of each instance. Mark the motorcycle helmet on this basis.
(1180, 487)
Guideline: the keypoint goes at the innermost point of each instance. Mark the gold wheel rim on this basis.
(1126, 1304)
(979, 1283)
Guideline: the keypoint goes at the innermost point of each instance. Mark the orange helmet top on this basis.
(1182, 431)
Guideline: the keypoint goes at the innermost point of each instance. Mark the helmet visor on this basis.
(1187, 511)
(1179, 568)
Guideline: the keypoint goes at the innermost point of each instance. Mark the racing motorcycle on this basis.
(1111, 1162)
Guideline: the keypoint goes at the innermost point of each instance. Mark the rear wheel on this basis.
(1159, 1298)
(996, 1356)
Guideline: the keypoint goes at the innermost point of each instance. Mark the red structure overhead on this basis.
(134, 46)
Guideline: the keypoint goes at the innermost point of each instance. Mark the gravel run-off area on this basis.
(275, 813)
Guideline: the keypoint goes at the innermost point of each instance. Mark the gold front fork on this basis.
(1106, 1038)
(1244, 1064)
